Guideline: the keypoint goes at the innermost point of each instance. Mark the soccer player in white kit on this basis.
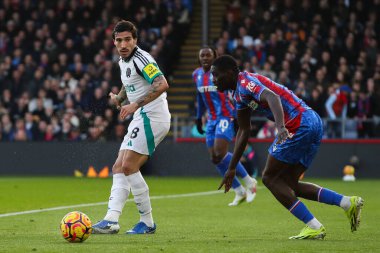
(144, 86)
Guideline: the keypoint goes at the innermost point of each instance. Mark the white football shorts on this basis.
(143, 135)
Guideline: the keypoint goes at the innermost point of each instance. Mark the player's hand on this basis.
(282, 135)
(200, 126)
(227, 180)
(128, 109)
(114, 99)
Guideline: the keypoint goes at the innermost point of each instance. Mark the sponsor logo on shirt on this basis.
(253, 105)
(204, 89)
(151, 70)
(130, 88)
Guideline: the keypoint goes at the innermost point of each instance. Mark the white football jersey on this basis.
(137, 74)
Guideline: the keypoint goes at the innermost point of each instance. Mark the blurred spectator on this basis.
(268, 130)
(30, 125)
(20, 133)
(118, 132)
(316, 102)
(6, 127)
(352, 105)
(6, 100)
(267, 71)
(336, 104)
(365, 128)
(336, 107)
(98, 102)
(49, 134)
(301, 92)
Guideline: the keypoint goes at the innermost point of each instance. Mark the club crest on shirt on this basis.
(128, 72)
(252, 87)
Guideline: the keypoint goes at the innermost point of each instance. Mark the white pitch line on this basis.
(104, 203)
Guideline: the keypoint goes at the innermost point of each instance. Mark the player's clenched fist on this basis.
(115, 100)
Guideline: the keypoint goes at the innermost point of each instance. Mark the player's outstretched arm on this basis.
(159, 86)
(244, 121)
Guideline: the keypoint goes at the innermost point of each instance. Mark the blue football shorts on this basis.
(304, 144)
(222, 128)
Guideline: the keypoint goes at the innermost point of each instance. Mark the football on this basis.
(76, 227)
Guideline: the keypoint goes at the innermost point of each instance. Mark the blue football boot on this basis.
(106, 227)
(142, 228)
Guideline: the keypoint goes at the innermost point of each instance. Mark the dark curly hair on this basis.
(212, 49)
(226, 62)
(124, 26)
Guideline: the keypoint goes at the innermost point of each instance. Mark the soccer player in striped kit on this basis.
(144, 86)
(299, 136)
(220, 126)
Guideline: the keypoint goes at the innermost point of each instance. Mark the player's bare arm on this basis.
(119, 98)
(275, 106)
(244, 121)
(159, 86)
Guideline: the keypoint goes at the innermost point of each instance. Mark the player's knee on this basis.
(126, 168)
(116, 168)
(267, 180)
(216, 159)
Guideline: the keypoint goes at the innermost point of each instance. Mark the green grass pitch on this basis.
(201, 223)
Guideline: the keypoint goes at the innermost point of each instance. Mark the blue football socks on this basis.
(223, 166)
(299, 210)
(329, 197)
(240, 170)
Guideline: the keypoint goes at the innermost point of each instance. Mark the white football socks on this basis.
(345, 203)
(239, 190)
(119, 194)
(249, 181)
(314, 224)
(140, 191)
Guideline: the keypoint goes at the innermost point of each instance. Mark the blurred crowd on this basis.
(326, 52)
(58, 63)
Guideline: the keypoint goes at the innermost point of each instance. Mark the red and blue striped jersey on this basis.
(217, 103)
(248, 91)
